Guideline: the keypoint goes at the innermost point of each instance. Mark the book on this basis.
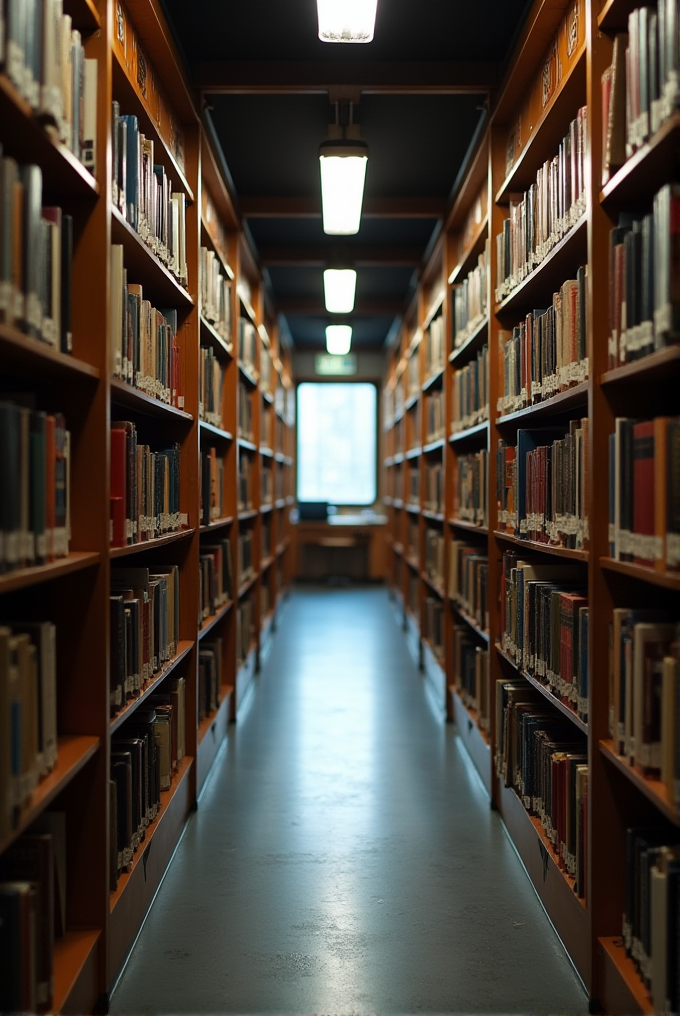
(30, 859)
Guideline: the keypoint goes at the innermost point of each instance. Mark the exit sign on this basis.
(327, 364)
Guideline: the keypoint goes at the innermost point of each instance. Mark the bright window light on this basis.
(342, 192)
(339, 287)
(346, 20)
(337, 442)
(338, 339)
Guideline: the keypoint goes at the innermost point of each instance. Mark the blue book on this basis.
(132, 170)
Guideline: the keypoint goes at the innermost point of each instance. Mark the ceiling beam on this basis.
(310, 307)
(267, 207)
(373, 77)
(356, 255)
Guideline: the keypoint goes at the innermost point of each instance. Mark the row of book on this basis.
(144, 492)
(413, 492)
(413, 539)
(471, 673)
(434, 347)
(215, 578)
(546, 352)
(209, 677)
(35, 520)
(470, 393)
(245, 559)
(28, 713)
(644, 310)
(434, 625)
(145, 350)
(213, 490)
(36, 257)
(545, 213)
(143, 193)
(244, 409)
(413, 594)
(210, 387)
(434, 488)
(245, 468)
(144, 628)
(245, 629)
(266, 483)
(469, 581)
(544, 626)
(413, 372)
(266, 369)
(470, 488)
(247, 345)
(266, 537)
(215, 290)
(267, 419)
(543, 757)
(541, 485)
(644, 667)
(471, 300)
(145, 753)
(644, 492)
(412, 423)
(650, 917)
(32, 913)
(434, 556)
(435, 424)
(43, 56)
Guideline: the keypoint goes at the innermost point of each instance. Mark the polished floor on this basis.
(343, 858)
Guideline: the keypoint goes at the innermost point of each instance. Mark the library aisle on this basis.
(343, 857)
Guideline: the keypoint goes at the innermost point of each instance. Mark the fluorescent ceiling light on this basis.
(338, 339)
(339, 287)
(343, 172)
(346, 20)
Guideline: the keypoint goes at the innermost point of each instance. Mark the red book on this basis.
(117, 491)
(643, 491)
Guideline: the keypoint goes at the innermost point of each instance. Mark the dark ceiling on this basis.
(423, 83)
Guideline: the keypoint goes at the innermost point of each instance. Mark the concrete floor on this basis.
(343, 858)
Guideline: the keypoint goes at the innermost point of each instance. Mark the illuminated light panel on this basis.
(338, 339)
(346, 20)
(339, 287)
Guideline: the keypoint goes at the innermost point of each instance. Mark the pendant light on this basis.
(338, 339)
(346, 20)
(342, 161)
(339, 287)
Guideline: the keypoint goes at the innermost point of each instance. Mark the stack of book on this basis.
(210, 387)
(470, 494)
(644, 309)
(470, 301)
(36, 254)
(434, 556)
(435, 427)
(644, 492)
(546, 352)
(43, 57)
(209, 677)
(471, 393)
(471, 673)
(213, 493)
(144, 196)
(144, 619)
(545, 213)
(544, 626)
(35, 521)
(266, 538)
(145, 351)
(144, 492)
(541, 755)
(215, 290)
(469, 581)
(215, 585)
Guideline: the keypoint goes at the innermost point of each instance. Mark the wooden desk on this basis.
(344, 545)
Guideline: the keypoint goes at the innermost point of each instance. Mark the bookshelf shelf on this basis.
(73, 752)
(74, 962)
(160, 285)
(23, 577)
(411, 401)
(563, 259)
(159, 541)
(243, 442)
(248, 513)
(226, 693)
(280, 457)
(432, 516)
(433, 585)
(84, 14)
(654, 790)
(472, 344)
(268, 398)
(398, 503)
(280, 503)
(471, 433)
(247, 374)
(209, 623)
(217, 524)
(469, 620)
(562, 707)
(647, 369)
(183, 649)
(668, 580)
(266, 563)
(563, 402)
(123, 394)
(433, 381)
(213, 243)
(613, 16)
(397, 459)
(398, 548)
(412, 562)
(434, 446)
(282, 547)
(622, 988)
(246, 586)
(412, 509)
(413, 453)
(469, 527)
(24, 352)
(475, 739)
(574, 555)
(471, 253)
(209, 336)
(266, 452)
(266, 508)
(63, 174)
(212, 431)
(652, 165)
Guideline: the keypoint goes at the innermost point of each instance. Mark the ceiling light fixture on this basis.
(342, 160)
(346, 20)
(339, 288)
(338, 339)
